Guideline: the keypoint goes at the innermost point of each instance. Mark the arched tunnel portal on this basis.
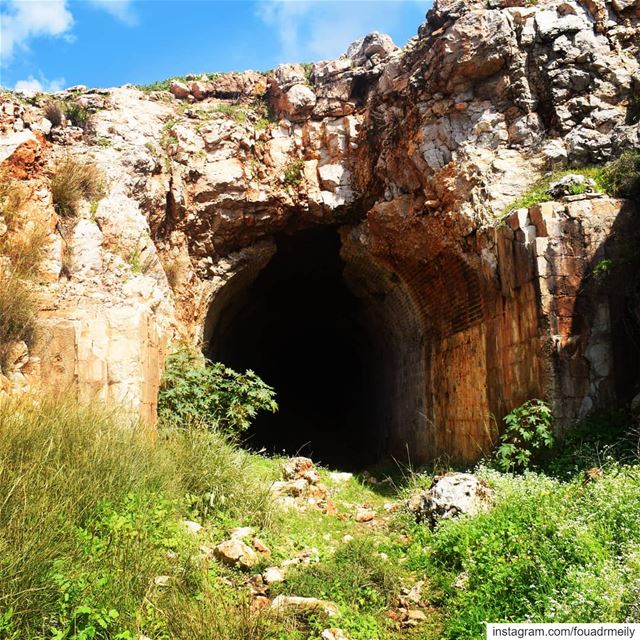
(369, 360)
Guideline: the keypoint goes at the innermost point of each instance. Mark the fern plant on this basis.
(529, 429)
(211, 393)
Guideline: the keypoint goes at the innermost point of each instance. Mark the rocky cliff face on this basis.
(413, 154)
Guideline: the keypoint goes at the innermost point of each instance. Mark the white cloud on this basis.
(23, 20)
(120, 9)
(32, 85)
(28, 19)
(320, 29)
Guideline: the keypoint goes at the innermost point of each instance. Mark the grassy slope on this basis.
(91, 513)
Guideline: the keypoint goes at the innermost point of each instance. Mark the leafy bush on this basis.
(529, 428)
(72, 181)
(211, 393)
(622, 176)
(78, 115)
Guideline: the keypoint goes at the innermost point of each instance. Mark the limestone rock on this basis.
(365, 515)
(450, 495)
(334, 634)
(297, 468)
(261, 547)
(239, 533)
(179, 89)
(273, 574)
(570, 184)
(296, 606)
(236, 554)
(235, 85)
(194, 528)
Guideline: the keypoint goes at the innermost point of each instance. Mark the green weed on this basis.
(211, 393)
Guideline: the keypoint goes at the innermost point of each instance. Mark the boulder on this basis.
(365, 515)
(295, 104)
(235, 85)
(179, 89)
(192, 527)
(273, 574)
(297, 468)
(374, 44)
(570, 185)
(449, 496)
(334, 634)
(236, 553)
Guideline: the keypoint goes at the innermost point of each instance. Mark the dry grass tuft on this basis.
(54, 113)
(18, 307)
(74, 180)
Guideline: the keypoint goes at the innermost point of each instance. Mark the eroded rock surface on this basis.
(413, 152)
(449, 496)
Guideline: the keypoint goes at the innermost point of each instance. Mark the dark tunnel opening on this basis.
(299, 327)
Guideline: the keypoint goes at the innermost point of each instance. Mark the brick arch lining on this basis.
(450, 352)
(434, 316)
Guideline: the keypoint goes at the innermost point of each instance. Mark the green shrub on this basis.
(529, 429)
(78, 115)
(211, 393)
(72, 181)
(293, 172)
(622, 176)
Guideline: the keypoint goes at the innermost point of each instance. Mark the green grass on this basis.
(538, 192)
(92, 507)
(164, 85)
(91, 514)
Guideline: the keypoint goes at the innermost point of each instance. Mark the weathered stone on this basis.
(334, 634)
(296, 606)
(179, 89)
(273, 574)
(571, 183)
(194, 528)
(296, 468)
(365, 515)
(261, 547)
(236, 553)
(450, 495)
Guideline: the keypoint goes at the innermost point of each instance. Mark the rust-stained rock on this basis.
(413, 154)
(236, 553)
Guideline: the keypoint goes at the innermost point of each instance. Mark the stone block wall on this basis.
(570, 245)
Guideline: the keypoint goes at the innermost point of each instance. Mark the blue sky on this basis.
(52, 44)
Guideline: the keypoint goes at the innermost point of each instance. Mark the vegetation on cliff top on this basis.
(619, 178)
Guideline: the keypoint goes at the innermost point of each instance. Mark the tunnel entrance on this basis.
(303, 331)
